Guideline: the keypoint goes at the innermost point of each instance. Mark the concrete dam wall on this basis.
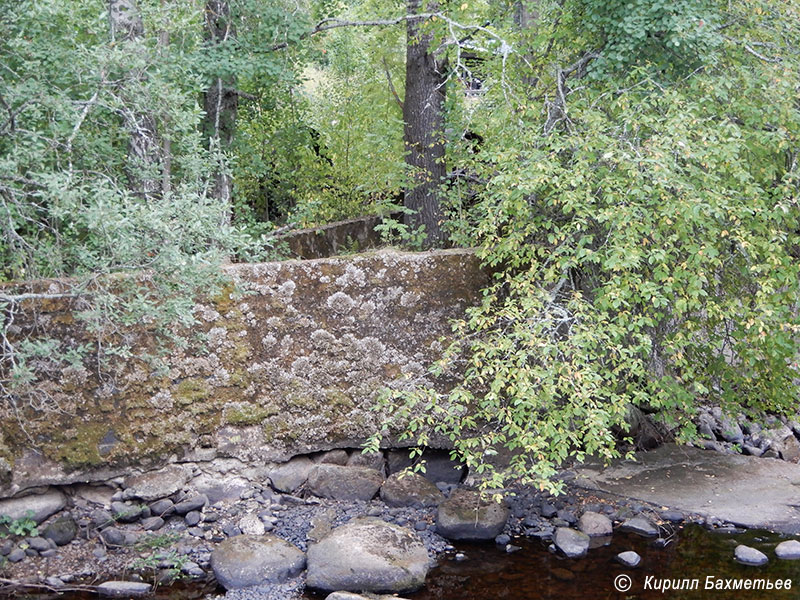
(290, 366)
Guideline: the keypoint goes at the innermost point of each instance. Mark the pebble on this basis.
(629, 559)
(38, 543)
(673, 516)
(640, 526)
(750, 556)
(788, 550)
(192, 518)
(548, 511)
(16, 555)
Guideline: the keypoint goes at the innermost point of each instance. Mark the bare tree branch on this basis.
(391, 84)
(328, 24)
(15, 298)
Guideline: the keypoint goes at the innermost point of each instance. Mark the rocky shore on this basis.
(333, 522)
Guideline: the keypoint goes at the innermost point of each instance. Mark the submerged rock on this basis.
(788, 550)
(123, 589)
(595, 525)
(571, 542)
(465, 515)
(750, 556)
(247, 560)
(368, 555)
(629, 559)
(640, 526)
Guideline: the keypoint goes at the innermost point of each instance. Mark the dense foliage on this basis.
(644, 245)
(627, 170)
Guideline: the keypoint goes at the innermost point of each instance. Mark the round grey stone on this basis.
(192, 518)
(247, 560)
(788, 550)
(62, 531)
(571, 542)
(193, 503)
(157, 484)
(750, 556)
(16, 555)
(594, 524)
(162, 508)
(629, 559)
(368, 555)
(290, 475)
(152, 523)
(38, 543)
(465, 515)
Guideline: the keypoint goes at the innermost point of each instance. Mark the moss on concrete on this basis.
(282, 358)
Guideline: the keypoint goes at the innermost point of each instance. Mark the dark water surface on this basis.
(533, 573)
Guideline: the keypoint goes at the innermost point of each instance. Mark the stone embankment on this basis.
(321, 524)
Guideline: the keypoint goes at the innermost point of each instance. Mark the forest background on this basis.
(628, 171)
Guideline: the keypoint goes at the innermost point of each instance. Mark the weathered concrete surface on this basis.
(287, 362)
(744, 490)
(353, 235)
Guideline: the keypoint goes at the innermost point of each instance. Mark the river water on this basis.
(692, 554)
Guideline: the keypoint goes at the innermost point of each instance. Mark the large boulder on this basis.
(466, 515)
(157, 484)
(344, 483)
(438, 465)
(290, 475)
(368, 555)
(373, 460)
(247, 560)
(410, 489)
(37, 506)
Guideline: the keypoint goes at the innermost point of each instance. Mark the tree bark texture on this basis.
(144, 168)
(423, 134)
(221, 100)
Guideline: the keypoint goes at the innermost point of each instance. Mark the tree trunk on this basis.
(423, 134)
(221, 102)
(144, 168)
